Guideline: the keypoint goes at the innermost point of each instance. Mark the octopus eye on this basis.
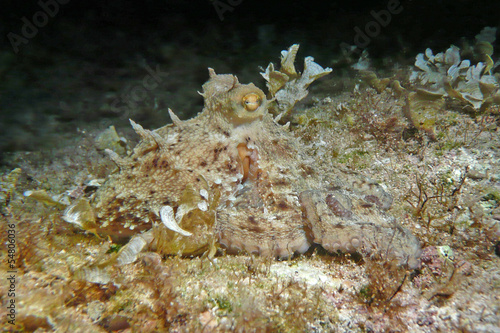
(251, 102)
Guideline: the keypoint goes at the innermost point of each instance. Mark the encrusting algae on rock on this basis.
(234, 176)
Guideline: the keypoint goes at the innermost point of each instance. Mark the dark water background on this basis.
(58, 78)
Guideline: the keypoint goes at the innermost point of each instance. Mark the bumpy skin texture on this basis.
(272, 200)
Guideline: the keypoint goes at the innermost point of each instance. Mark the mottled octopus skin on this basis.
(273, 201)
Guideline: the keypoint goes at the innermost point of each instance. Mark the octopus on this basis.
(233, 176)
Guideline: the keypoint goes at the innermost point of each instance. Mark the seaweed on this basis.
(287, 86)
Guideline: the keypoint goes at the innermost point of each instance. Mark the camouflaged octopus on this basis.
(234, 176)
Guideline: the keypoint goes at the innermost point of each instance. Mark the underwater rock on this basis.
(109, 139)
(43, 197)
(7, 185)
(422, 108)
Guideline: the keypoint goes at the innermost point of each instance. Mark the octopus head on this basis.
(246, 104)
(238, 103)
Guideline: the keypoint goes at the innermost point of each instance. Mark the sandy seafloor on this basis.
(445, 185)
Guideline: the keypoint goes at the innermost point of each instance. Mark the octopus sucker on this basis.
(232, 175)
